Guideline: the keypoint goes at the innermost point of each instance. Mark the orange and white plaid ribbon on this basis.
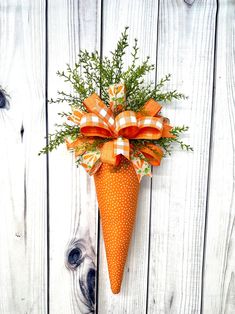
(95, 105)
(100, 122)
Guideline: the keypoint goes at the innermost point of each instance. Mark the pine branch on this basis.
(58, 138)
(117, 56)
(165, 142)
(92, 74)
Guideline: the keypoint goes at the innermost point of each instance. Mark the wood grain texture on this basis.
(186, 42)
(219, 285)
(143, 25)
(72, 25)
(23, 223)
(182, 251)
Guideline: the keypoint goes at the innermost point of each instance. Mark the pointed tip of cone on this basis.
(116, 274)
(115, 286)
(115, 290)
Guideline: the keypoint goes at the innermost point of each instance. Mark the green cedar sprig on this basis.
(165, 142)
(91, 73)
(58, 138)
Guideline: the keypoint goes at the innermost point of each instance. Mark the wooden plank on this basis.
(23, 211)
(186, 49)
(143, 25)
(218, 288)
(72, 25)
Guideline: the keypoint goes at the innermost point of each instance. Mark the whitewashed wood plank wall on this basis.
(182, 255)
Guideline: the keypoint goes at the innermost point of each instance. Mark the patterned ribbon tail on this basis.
(146, 157)
(91, 161)
(142, 167)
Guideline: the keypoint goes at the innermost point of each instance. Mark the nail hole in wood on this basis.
(22, 132)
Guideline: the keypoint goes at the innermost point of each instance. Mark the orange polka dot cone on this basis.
(117, 192)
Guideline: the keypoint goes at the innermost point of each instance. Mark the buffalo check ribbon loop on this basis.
(121, 146)
(99, 121)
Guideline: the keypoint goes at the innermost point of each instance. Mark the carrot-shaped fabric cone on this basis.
(117, 192)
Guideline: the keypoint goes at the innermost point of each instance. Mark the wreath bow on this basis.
(100, 122)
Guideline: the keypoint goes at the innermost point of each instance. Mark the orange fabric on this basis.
(74, 144)
(100, 122)
(117, 192)
(146, 124)
(150, 108)
(111, 151)
(126, 124)
(166, 131)
(79, 145)
(150, 128)
(107, 155)
(121, 147)
(76, 116)
(95, 105)
(91, 162)
(153, 153)
(91, 125)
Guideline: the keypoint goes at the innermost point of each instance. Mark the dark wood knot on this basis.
(91, 281)
(87, 283)
(80, 260)
(189, 2)
(75, 256)
(3, 100)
